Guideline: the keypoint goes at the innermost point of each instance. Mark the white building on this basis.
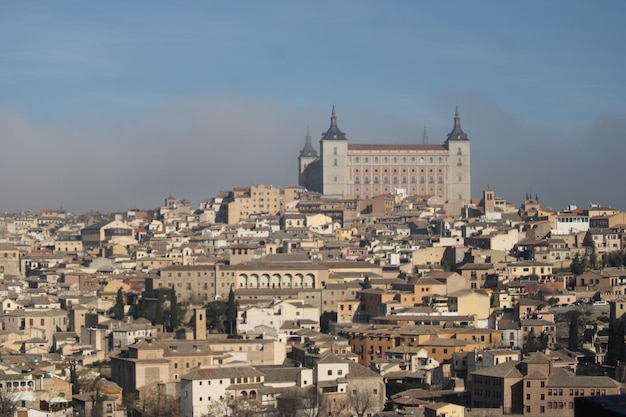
(207, 391)
(567, 223)
(276, 315)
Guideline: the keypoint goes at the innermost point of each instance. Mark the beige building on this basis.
(153, 362)
(535, 387)
(369, 170)
(99, 234)
(528, 268)
(68, 243)
(38, 323)
(199, 284)
(471, 302)
(257, 199)
(9, 259)
(443, 410)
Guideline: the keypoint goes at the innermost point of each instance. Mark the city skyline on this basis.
(115, 106)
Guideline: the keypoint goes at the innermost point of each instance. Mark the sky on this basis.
(117, 105)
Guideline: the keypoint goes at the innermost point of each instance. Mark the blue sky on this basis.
(114, 105)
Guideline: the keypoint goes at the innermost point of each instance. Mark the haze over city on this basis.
(112, 106)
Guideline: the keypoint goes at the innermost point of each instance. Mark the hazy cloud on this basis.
(196, 147)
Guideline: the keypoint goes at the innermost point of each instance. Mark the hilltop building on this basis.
(368, 170)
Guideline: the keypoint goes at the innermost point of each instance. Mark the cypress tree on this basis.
(532, 345)
(118, 309)
(158, 318)
(574, 336)
(174, 309)
(367, 283)
(231, 313)
(615, 349)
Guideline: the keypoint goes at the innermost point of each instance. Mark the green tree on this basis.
(140, 310)
(532, 344)
(160, 316)
(614, 259)
(590, 251)
(74, 376)
(574, 331)
(216, 316)
(231, 313)
(118, 309)
(366, 283)
(542, 340)
(616, 348)
(578, 265)
(175, 310)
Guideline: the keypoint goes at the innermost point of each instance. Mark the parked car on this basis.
(601, 303)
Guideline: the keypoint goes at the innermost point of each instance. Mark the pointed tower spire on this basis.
(457, 133)
(308, 149)
(425, 137)
(333, 132)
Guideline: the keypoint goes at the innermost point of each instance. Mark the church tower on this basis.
(334, 159)
(308, 154)
(489, 201)
(459, 172)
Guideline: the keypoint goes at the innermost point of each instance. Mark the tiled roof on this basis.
(504, 370)
(223, 373)
(562, 378)
(395, 147)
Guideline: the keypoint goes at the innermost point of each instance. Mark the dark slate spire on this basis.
(457, 133)
(333, 132)
(308, 149)
(425, 137)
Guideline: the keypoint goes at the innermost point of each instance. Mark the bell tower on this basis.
(334, 158)
(459, 172)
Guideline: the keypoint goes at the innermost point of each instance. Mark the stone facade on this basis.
(368, 170)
